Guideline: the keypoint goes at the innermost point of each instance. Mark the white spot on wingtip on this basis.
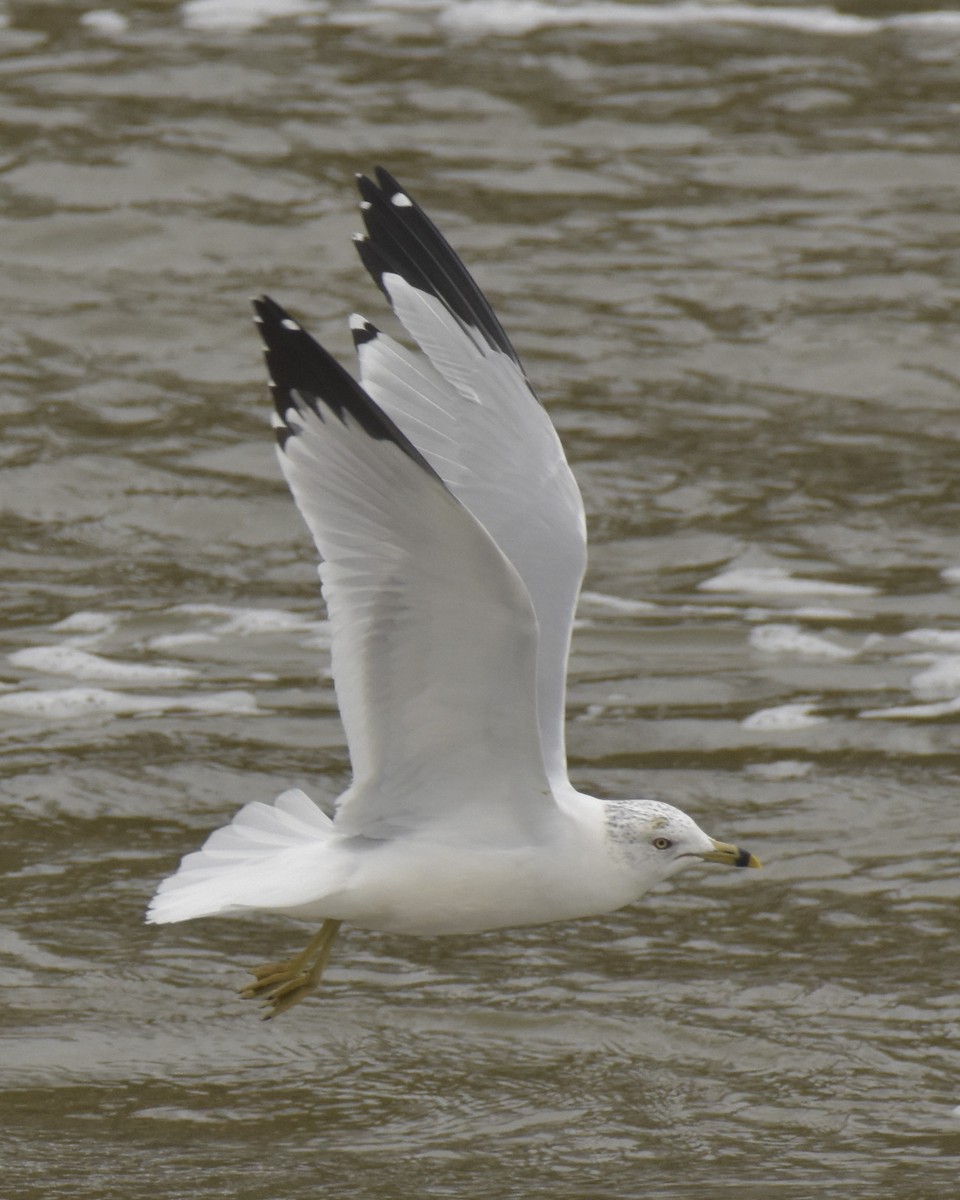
(365, 206)
(287, 323)
(359, 237)
(401, 200)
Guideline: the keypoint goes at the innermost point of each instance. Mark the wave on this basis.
(516, 17)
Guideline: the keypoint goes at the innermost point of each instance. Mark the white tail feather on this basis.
(269, 856)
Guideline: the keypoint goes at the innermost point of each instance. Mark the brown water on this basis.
(728, 253)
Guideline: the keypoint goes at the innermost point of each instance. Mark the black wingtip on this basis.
(266, 309)
(303, 375)
(389, 184)
(367, 188)
(376, 265)
(403, 240)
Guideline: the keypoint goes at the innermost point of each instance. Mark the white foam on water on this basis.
(64, 703)
(784, 716)
(246, 621)
(617, 603)
(785, 768)
(105, 21)
(912, 712)
(524, 16)
(779, 582)
(238, 16)
(173, 641)
(711, 610)
(821, 612)
(791, 639)
(86, 622)
(81, 664)
(940, 681)
(517, 17)
(269, 620)
(220, 702)
(935, 637)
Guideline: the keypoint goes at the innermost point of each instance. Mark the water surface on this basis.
(726, 248)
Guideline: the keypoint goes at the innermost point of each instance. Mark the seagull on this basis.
(452, 545)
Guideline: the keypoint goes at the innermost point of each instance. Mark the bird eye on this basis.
(662, 843)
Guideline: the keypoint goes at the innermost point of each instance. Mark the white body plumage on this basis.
(452, 541)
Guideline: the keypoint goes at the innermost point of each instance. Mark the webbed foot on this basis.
(281, 985)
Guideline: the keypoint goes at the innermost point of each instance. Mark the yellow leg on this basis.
(281, 985)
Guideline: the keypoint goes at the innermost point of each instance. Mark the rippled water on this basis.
(725, 243)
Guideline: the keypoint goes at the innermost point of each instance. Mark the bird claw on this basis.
(282, 998)
(264, 973)
(268, 975)
(281, 985)
(278, 991)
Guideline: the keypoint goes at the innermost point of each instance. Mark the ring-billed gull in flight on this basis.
(452, 543)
